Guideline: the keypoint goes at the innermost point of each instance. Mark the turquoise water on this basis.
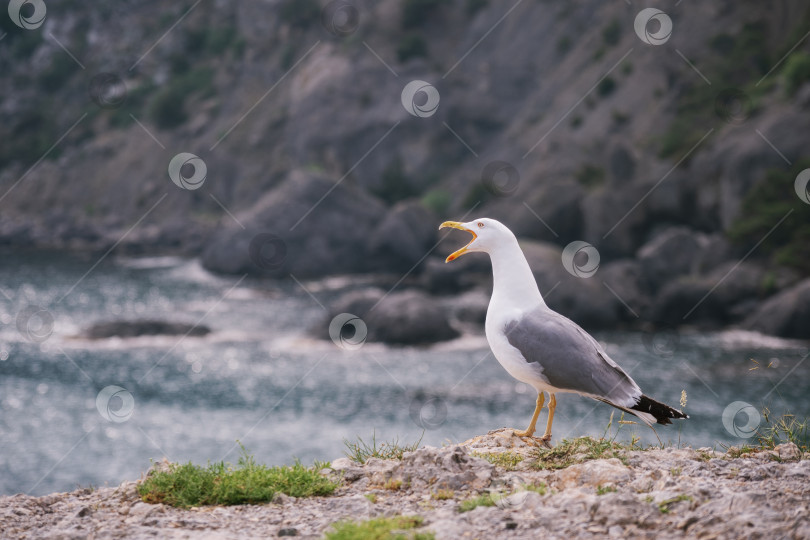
(261, 378)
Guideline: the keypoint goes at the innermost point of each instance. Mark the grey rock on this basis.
(313, 234)
(714, 251)
(557, 202)
(357, 302)
(468, 307)
(671, 253)
(586, 301)
(143, 327)
(785, 314)
(625, 279)
(282, 499)
(438, 277)
(687, 300)
(444, 468)
(403, 237)
(408, 317)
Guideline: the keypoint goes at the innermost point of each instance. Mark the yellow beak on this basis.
(461, 227)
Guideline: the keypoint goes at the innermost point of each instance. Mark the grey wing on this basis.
(569, 358)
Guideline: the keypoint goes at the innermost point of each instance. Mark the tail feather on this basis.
(661, 412)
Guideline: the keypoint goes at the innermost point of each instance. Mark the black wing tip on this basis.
(663, 413)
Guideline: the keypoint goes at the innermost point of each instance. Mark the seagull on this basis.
(538, 346)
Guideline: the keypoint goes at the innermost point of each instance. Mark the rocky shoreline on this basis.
(624, 493)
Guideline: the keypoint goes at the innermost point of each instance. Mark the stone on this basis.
(294, 229)
(671, 253)
(143, 327)
(403, 237)
(595, 473)
(788, 452)
(786, 314)
(408, 317)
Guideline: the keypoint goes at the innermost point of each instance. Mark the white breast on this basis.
(507, 355)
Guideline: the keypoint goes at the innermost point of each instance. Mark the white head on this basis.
(488, 234)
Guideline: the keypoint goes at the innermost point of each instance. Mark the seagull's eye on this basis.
(480, 225)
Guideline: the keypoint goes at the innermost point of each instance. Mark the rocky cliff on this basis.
(671, 145)
(493, 486)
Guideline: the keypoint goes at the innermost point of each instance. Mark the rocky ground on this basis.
(658, 493)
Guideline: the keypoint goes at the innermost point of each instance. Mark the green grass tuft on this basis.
(361, 451)
(783, 429)
(219, 483)
(663, 506)
(604, 490)
(570, 451)
(505, 460)
(475, 502)
(391, 528)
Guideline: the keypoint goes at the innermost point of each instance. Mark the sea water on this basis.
(78, 412)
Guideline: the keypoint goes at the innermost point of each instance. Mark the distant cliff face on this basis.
(596, 121)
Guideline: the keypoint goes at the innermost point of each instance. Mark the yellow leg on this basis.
(530, 430)
(552, 404)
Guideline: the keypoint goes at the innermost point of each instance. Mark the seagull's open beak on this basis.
(460, 226)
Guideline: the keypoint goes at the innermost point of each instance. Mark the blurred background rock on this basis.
(675, 161)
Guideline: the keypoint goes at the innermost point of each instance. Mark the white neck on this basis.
(513, 282)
